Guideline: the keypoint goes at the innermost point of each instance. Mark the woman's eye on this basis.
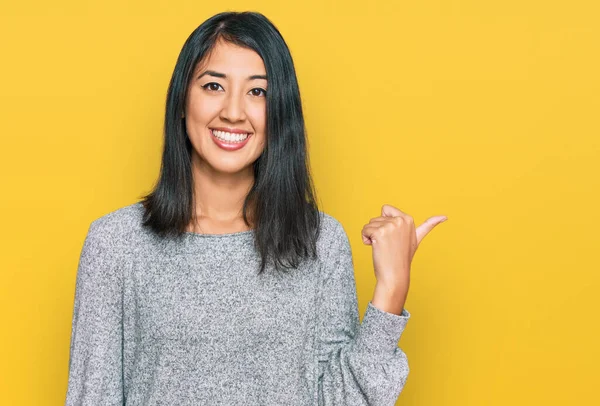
(258, 92)
(212, 86)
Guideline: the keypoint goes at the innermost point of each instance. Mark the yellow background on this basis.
(485, 111)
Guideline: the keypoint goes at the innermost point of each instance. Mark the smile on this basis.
(230, 141)
(230, 137)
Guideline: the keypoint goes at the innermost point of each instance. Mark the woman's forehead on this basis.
(232, 60)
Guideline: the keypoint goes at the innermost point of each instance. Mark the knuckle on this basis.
(390, 227)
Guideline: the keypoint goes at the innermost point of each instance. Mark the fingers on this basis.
(428, 225)
(368, 233)
(377, 229)
(391, 211)
(373, 231)
(379, 219)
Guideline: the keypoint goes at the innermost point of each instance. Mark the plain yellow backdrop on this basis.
(484, 111)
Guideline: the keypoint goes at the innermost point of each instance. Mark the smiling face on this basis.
(225, 112)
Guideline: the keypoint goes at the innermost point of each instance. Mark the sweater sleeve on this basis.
(95, 358)
(359, 364)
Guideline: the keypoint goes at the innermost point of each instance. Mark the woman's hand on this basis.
(394, 239)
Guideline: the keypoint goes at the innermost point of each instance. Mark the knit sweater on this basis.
(189, 321)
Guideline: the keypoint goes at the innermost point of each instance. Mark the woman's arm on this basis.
(95, 361)
(359, 364)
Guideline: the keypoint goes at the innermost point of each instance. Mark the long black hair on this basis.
(282, 198)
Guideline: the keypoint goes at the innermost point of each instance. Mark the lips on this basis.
(231, 130)
(229, 145)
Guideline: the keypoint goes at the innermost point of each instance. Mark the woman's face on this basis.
(225, 113)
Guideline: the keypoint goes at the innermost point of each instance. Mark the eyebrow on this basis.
(224, 76)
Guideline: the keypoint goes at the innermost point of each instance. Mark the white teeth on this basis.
(225, 136)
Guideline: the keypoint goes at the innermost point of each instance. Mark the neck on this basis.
(220, 196)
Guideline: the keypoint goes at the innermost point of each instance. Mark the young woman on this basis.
(226, 285)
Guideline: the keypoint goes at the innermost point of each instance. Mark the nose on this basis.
(233, 108)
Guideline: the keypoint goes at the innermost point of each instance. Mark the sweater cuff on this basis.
(380, 331)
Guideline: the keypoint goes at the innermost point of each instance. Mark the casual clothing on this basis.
(188, 321)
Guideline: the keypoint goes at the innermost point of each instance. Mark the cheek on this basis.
(202, 110)
(258, 116)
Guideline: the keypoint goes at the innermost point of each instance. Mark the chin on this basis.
(230, 169)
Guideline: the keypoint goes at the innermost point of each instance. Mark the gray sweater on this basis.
(167, 321)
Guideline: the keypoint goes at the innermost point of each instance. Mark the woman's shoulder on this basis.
(330, 224)
(120, 227)
(332, 232)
